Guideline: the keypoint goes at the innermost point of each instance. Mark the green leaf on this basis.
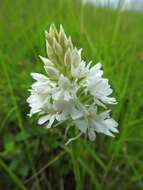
(9, 143)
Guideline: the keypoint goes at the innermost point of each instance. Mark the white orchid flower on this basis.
(71, 90)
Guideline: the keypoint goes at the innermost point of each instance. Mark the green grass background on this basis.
(33, 158)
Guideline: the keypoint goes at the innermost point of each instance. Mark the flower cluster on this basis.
(72, 90)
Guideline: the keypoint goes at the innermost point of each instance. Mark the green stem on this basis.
(76, 169)
(12, 175)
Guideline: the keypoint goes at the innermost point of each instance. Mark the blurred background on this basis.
(33, 158)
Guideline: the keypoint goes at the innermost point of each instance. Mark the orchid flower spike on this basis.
(71, 89)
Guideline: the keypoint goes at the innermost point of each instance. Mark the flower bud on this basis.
(68, 57)
(49, 39)
(76, 57)
(62, 36)
(53, 31)
(57, 47)
(69, 43)
(46, 61)
(52, 72)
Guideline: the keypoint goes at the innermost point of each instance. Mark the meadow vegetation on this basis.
(34, 158)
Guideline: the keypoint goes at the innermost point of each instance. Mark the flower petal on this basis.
(43, 119)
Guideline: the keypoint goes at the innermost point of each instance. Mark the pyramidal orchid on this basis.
(71, 91)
